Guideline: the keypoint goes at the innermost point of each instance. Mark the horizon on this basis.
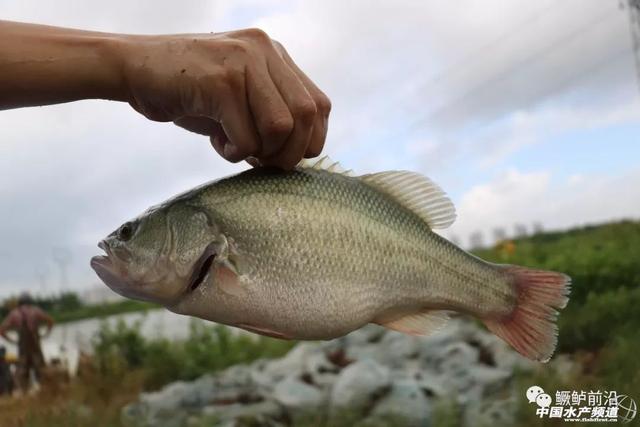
(99, 292)
(524, 113)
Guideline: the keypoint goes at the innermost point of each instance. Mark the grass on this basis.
(127, 363)
(599, 330)
(600, 327)
(101, 310)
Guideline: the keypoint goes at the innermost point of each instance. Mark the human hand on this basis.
(240, 88)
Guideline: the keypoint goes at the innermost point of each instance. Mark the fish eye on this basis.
(125, 232)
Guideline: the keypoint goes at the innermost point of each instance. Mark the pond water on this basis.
(153, 324)
(68, 339)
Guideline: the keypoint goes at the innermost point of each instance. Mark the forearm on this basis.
(42, 65)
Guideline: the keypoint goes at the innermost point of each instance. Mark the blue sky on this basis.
(524, 112)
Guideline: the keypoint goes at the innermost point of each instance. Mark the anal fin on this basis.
(421, 323)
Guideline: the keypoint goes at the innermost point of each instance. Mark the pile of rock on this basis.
(363, 379)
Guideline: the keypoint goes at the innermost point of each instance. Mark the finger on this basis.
(254, 162)
(302, 109)
(323, 106)
(218, 142)
(237, 123)
(272, 117)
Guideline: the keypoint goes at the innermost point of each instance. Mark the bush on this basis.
(208, 348)
(603, 264)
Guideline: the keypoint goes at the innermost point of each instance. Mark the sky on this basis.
(524, 112)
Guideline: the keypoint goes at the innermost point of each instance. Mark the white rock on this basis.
(294, 361)
(357, 384)
(267, 408)
(296, 395)
(405, 402)
(366, 335)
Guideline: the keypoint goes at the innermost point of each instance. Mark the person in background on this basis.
(26, 320)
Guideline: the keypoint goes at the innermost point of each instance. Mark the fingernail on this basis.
(253, 162)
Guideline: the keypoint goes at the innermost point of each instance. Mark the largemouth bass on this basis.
(316, 253)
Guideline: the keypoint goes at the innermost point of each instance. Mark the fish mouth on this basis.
(201, 268)
(109, 274)
(104, 268)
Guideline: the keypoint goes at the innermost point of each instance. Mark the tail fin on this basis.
(531, 327)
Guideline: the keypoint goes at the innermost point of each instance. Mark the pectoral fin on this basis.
(226, 277)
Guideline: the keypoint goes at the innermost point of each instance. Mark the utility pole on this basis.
(42, 273)
(634, 26)
(62, 257)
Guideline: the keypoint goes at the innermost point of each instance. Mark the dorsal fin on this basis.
(417, 193)
(412, 190)
(324, 163)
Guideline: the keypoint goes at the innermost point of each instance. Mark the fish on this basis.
(317, 252)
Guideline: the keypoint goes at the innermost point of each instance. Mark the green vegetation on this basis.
(599, 330)
(208, 348)
(126, 363)
(604, 264)
(102, 310)
(600, 327)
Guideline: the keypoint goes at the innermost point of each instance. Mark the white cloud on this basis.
(70, 173)
(528, 198)
(455, 63)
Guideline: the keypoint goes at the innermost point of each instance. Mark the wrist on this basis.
(111, 51)
(93, 64)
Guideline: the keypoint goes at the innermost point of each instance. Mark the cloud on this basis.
(532, 198)
(69, 178)
(452, 89)
(137, 17)
(447, 65)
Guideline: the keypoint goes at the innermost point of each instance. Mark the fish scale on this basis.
(340, 232)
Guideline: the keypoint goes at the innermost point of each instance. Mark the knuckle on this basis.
(279, 127)
(278, 46)
(323, 103)
(239, 46)
(256, 34)
(305, 111)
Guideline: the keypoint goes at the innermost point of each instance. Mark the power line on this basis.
(634, 27)
(545, 51)
(473, 54)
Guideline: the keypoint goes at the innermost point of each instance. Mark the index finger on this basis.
(322, 101)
